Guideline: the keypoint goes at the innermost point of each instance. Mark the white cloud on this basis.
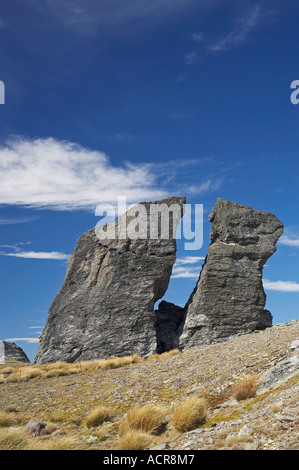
(179, 273)
(281, 286)
(61, 175)
(53, 255)
(189, 260)
(191, 58)
(208, 185)
(184, 267)
(89, 16)
(289, 241)
(244, 26)
(27, 340)
(239, 34)
(20, 220)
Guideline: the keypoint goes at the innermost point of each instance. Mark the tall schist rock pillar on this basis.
(106, 304)
(229, 298)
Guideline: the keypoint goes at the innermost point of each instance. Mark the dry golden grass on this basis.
(20, 373)
(55, 443)
(6, 419)
(246, 387)
(153, 357)
(134, 440)
(98, 416)
(149, 419)
(13, 439)
(190, 414)
(173, 352)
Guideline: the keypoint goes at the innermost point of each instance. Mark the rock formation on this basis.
(168, 326)
(11, 352)
(106, 304)
(229, 298)
(114, 278)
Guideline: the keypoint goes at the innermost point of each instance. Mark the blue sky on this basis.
(145, 99)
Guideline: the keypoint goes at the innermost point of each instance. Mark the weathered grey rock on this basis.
(229, 298)
(106, 304)
(11, 352)
(279, 373)
(35, 427)
(169, 321)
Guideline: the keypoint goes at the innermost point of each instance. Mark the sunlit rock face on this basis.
(229, 298)
(106, 304)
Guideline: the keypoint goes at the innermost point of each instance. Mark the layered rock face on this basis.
(11, 352)
(229, 298)
(106, 304)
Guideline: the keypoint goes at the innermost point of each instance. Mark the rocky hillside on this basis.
(62, 401)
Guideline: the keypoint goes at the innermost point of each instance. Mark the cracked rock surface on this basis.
(229, 298)
(106, 304)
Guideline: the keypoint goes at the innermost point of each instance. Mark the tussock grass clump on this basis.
(149, 419)
(190, 414)
(98, 416)
(173, 352)
(134, 440)
(6, 419)
(246, 387)
(13, 439)
(55, 443)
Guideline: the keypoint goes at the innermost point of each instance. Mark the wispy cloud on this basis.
(281, 286)
(90, 16)
(26, 340)
(190, 260)
(60, 175)
(290, 237)
(289, 242)
(187, 267)
(47, 173)
(52, 255)
(244, 26)
(191, 58)
(208, 185)
(19, 220)
(181, 77)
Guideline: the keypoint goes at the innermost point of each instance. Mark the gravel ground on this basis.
(269, 421)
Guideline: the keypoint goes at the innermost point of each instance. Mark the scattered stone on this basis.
(231, 402)
(245, 431)
(160, 447)
(295, 344)
(251, 446)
